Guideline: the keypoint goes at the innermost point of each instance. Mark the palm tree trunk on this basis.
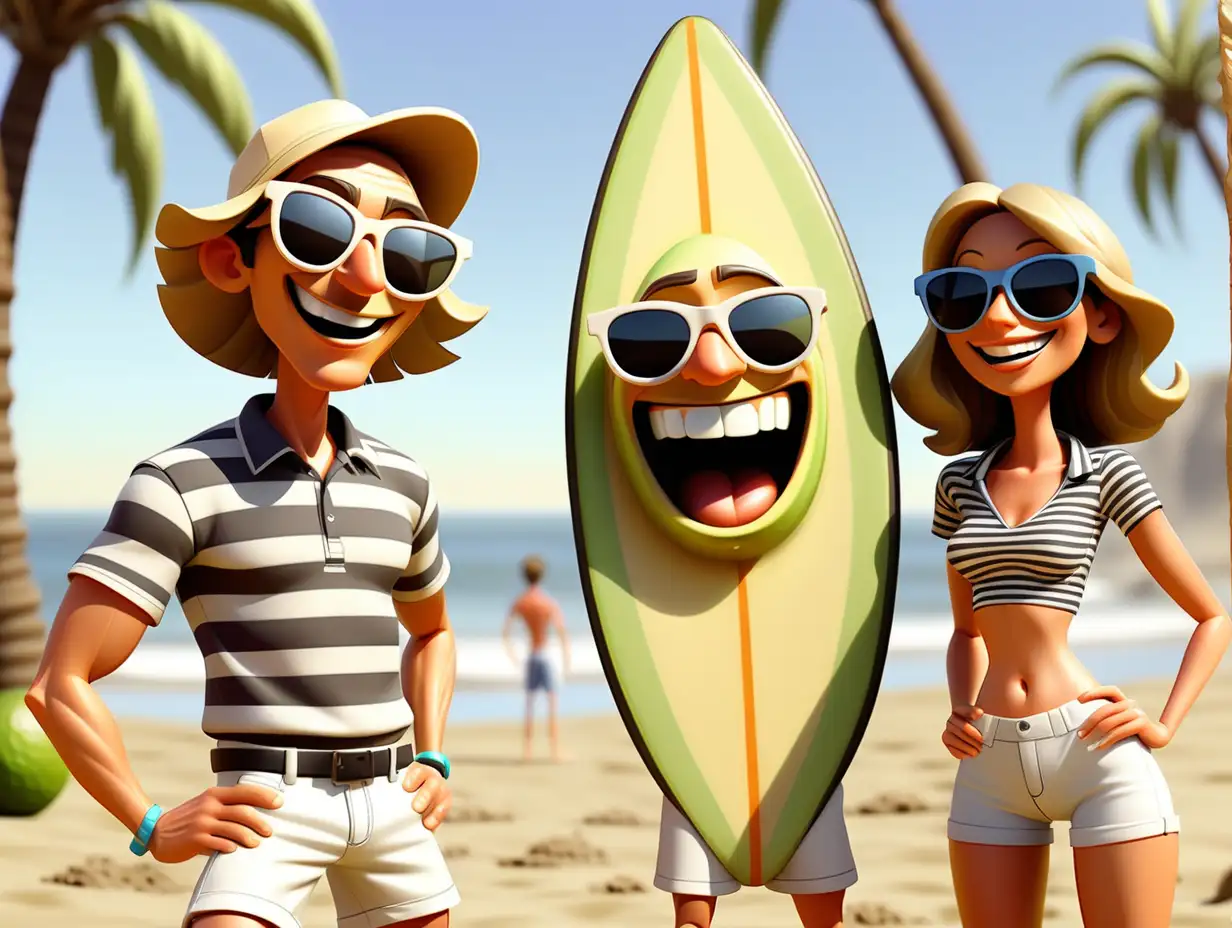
(961, 148)
(1214, 162)
(21, 629)
(1225, 56)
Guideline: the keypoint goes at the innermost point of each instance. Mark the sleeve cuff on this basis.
(437, 584)
(151, 607)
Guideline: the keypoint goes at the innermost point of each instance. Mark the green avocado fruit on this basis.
(31, 772)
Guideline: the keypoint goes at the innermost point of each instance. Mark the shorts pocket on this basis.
(272, 781)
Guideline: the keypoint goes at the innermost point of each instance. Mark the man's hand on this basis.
(432, 794)
(223, 818)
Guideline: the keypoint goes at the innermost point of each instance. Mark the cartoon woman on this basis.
(1035, 356)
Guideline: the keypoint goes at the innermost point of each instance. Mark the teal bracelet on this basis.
(141, 841)
(436, 760)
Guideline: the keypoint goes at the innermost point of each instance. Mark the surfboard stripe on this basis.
(750, 726)
(699, 127)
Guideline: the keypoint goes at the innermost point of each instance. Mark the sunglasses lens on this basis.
(1047, 290)
(956, 300)
(773, 330)
(418, 261)
(648, 343)
(315, 231)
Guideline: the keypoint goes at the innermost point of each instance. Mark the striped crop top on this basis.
(1045, 560)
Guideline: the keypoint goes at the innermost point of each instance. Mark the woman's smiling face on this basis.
(1004, 352)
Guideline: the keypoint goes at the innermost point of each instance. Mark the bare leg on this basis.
(437, 920)
(553, 725)
(820, 910)
(1128, 885)
(228, 920)
(529, 731)
(693, 911)
(1002, 886)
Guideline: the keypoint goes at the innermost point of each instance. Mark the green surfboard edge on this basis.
(612, 610)
(865, 635)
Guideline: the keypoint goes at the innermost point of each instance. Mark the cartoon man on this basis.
(714, 407)
(295, 542)
(541, 615)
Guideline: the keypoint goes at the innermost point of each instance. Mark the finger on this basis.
(414, 777)
(966, 732)
(221, 845)
(1101, 714)
(969, 712)
(249, 794)
(425, 798)
(236, 833)
(957, 744)
(437, 815)
(1102, 692)
(248, 817)
(1109, 724)
(1121, 732)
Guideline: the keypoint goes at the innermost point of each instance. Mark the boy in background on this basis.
(540, 613)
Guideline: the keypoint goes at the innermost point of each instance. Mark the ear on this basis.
(1104, 321)
(223, 266)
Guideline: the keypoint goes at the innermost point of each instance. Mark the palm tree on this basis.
(967, 161)
(1179, 78)
(44, 33)
(1224, 56)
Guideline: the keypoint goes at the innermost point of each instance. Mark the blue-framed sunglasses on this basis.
(1046, 288)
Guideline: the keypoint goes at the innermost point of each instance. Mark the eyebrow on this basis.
(393, 204)
(725, 271)
(344, 189)
(679, 279)
(967, 251)
(1033, 241)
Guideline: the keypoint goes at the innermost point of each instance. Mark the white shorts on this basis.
(1034, 771)
(383, 865)
(821, 864)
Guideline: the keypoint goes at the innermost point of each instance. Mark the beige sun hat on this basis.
(437, 149)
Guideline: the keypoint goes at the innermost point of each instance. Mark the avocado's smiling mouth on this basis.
(724, 465)
(333, 323)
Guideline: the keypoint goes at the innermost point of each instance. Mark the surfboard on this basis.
(745, 683)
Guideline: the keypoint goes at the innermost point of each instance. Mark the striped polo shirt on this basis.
(1045, 560)
(288, 581)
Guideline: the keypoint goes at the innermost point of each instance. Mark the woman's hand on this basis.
(1119, 720)
(961, 738)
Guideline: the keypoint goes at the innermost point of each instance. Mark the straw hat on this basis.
(437, 149)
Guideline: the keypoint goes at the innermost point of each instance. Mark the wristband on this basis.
(436, 760)
(141, 840)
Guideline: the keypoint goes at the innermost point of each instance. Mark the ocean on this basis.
(1119, 641)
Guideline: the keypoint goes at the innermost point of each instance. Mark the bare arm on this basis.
(1165, 558)
(95, 631)
(507, 634)
(966, 660)
(558, 623)
(429, 667)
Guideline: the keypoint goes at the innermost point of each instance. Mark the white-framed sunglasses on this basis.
(316, 230)
(771, 329)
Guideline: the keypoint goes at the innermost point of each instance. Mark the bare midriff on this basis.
(1031, 668)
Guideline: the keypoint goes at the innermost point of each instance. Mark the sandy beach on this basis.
(574, 844)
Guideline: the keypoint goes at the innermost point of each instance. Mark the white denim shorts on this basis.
(382, 864)
(822, 863)
(1034, 771)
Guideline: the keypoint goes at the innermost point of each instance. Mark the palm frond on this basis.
(1161, 30)
(188, 55)
(299, 21)
(126, 111)
(1167, 157)
(1101, 108)
(1186, 38)
(1140, 167)
(1133, 54)
(764, 18)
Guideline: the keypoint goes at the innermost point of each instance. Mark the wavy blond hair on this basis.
(1105, 398)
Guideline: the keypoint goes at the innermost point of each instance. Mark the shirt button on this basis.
(1024, 726)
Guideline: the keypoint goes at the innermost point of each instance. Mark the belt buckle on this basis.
(349, 766)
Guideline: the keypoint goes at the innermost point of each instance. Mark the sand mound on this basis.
(875, 913)
(475, 815)
(455, 851)
(619, 885)
(621, 817)
(105, 873)
(558, 852)
(893, 803)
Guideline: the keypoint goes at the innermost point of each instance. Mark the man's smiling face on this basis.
(331, 327)
(1005, 352)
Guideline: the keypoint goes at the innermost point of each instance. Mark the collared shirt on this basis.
(287, 579)
(1046, 559)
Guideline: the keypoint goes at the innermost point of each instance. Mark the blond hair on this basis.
(1105, 398)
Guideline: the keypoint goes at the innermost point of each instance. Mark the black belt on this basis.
(339, 766)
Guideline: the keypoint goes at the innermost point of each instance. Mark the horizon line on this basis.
(447, 510)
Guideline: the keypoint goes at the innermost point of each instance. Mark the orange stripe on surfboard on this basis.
(699, 128)
(742, 592)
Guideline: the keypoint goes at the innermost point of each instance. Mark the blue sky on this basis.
(102, 381)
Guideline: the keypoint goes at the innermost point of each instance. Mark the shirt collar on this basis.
(1080, 464)
(262, 444)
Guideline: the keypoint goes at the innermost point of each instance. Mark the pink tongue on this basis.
(713, 498)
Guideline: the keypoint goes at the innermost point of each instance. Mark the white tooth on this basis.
(321, 310)
(765, 413)
(782, 411)
(740, 420)
(673, 423)
(703, 422)
(1005, 351)
(656, 424)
